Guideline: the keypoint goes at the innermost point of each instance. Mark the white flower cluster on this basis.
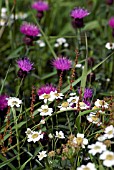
(13, 101)
(61, 41)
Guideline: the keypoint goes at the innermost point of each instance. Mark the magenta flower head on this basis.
(88, 93)
(3, 102)
(109, 2)
(46, 89)
(25, 66)
(111, 22)
(40, 6)
(78, 14)
(62, 63)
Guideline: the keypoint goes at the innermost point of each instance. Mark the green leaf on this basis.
(91, 25)
(14, 53)
(23, 166)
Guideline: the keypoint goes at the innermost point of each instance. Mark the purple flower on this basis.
(62, 63)
(88, 93)
(3, 102)
(46, 89)
(79, 13)
(40, 6)
(111, 22)
(29, 29)
(25, 64)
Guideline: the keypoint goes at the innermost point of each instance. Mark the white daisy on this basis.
(61, 41)
(50, 136)
(42, 155)
(41, 43)
(101, 104)
(94, 119)
(59, 135)
(13, 101)
(89, 166)
(101, 138)
(66, 45)
(42, 121)
(29, 131)
(47, 97)
(57, 95)
(108, 158)
(35, 136)
(98, 147)
(82, 106)
(78, 65)
(45, 110)
(109, 46)
(64, 106)
(80, 140)
(73, 100)
(109, 132)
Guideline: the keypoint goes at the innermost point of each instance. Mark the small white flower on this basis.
(78, 65)
(61, 40)
(13, 101)
(82, 106)
(42, 155)
(80, 140)
(108, 158)
(29, 131)
(57, 95)
(101, 138)
(72, 94)
(35, 136)
(108, 79)
(64, 106)
(101, 104)
(41, 43)
(94, 119)
(56, 45)
(47, 97)
(73, 100)
(98, 147)
(66, 45)
(59, 135)
(42, 121)
(109, 132)
(89, 166)
(45, 110)
(50, 136)
(109, 46)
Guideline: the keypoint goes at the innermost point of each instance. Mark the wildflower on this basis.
(73, 100)
(109, 2)
(46, 89)
(59, 135)
(101, 138)
(29, 131)
(82, 106)
(3, 102)
(29, 29)
(40, 43)
(89, 166)
(109, 46)
(64, 106)
(108, 158)
(98, 147)
(45, 110)
(57, 95)
(51, 153)
(101, 104)
(25, 64)
(111, 22)
(40, 6)
(42, 155)
(80, 140)
(109, 132)
(78, 65)
(13, 101)
(61, 41)
(34, 136)
(88, 93)
(72, 94)
(42, 121)
(62, 63)
(94, 119)
(78, 14)
(50, 136)
(47, 97)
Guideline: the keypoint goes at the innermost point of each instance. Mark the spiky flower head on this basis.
(111, 22)
(3, 101)
(79, 12)
(40, 6)
(46, 89)
(25, 64)
(29, 29)
(62, 63)
(88, 93)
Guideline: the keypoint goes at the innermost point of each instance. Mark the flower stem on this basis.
(17, 135)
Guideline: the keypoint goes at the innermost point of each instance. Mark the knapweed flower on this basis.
(59, 135)
(89, 166)
(46, 89)
(78, 14)
(88, 93)
(109, 46)
(29, 29)
(42, 155)
(98, 147)
(80, 140)
(108, 158)
(45, 110)
(111, 22)
(40, 6)
(25, 64)
(34, 136)
(62, 63)
(109, 132)
(101, 104)
(3, 101)
(13, 101)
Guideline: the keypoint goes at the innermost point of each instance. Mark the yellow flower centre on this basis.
(46, 96)
(65, 104)
(82, 104)
(86, 168)
(73, 101)
(14, 102)
(57, 94)
(97, 147)
(110, 132)
(79, 140)
(34, 136)
(110, 157)
(94, 118)
(45, 110)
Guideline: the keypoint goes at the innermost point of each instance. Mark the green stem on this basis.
(68, 122)
(17, 135)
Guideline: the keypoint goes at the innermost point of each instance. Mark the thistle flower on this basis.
(40, 6)
(25, 64)
(62, 63)
(29, 29)
(78, 14)
(88, 93)
(111, 22)
(46, 89)
(3, 102)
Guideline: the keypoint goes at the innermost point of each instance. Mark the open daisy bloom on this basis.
(108, 158)
(80, 140)
(34, 136)
(42, 155)
(13, 101)
(45, 110)
(59, 135)
(89, 166)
